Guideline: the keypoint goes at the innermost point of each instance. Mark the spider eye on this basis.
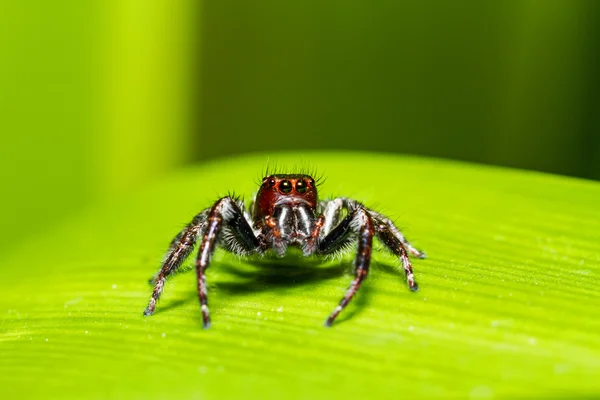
(311, 182)
(269, 182)
(301, 186)
(285, 186)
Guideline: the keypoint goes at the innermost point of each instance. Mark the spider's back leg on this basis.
(180, 248)
(384, 224)
(396, 243)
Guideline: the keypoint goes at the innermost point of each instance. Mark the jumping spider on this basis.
(285, 212)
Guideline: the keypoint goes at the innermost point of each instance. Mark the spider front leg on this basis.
(358, 223)
(180, 248)
(240, 238)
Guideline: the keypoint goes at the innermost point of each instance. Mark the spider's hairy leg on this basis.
(225, 213)
(383, 223)
(358, 223)
(180, 248)
(331, 211)
(331, 214)
(395, 242)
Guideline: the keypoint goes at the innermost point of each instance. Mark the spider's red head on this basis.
(280, 189)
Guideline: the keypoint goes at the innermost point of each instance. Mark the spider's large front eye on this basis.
(285, 186)
(301, 186)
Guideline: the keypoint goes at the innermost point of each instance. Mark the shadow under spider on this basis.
(279, 274)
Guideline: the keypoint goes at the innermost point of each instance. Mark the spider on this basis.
(285, 212)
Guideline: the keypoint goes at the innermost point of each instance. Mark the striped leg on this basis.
(331, 210)
(330, 242)
(225, 213)
(384, 224)
(180, 248)
(397, 244)
(359, 224)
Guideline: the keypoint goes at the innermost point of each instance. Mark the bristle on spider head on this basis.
(302, 168)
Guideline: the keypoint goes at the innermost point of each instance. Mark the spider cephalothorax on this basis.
(285, 212)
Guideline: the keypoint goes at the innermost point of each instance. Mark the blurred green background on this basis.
(99, 97)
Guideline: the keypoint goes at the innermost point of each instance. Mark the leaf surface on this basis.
(508, 306)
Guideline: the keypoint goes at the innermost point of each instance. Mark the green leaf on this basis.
(508, 305)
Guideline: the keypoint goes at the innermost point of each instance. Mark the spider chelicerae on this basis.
(285, 212)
